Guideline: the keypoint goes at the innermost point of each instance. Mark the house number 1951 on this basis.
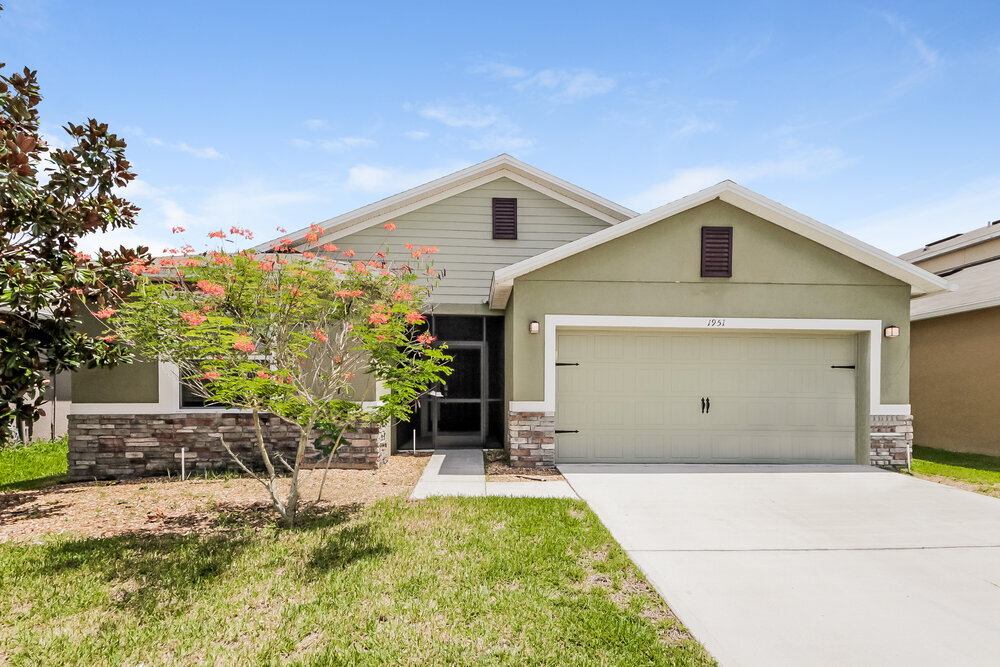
(716, 323)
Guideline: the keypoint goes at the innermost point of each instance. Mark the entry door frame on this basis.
(715, 324)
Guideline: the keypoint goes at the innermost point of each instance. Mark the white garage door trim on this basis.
(872, 327)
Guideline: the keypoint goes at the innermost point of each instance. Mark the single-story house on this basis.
(955, 360)
(720, 328)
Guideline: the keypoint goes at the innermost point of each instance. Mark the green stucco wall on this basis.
(127, 383)
(655, 271)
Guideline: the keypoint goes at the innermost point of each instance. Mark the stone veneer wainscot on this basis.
(140, 445)
(532, 438)
(891, 440)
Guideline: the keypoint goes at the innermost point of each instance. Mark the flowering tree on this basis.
(287, 334)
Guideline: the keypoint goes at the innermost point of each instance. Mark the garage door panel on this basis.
(636, 396)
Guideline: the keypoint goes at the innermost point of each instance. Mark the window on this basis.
(504, 218)
(716, 252)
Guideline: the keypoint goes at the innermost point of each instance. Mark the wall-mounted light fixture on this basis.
(891, 331)
(534, 327)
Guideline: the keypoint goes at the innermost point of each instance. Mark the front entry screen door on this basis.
(467, 409)
(457, 415)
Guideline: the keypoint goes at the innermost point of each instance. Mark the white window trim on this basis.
(555, 322)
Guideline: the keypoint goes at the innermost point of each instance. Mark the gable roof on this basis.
(501, 166)
(955, 242)
(977, 287)
(921, 281)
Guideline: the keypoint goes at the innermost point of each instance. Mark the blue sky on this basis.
(878, 119)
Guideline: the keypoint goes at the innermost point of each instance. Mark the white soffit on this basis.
(921, 281)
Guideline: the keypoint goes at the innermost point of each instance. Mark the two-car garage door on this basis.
(637, 396)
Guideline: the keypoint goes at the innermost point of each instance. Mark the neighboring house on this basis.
(955, 361)
(720, 328)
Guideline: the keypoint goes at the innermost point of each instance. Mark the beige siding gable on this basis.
(461, 227)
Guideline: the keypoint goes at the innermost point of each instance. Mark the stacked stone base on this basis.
(141, 445)
(891, 440)
(532, 439)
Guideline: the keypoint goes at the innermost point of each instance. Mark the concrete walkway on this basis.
(461, 472)
(811, 565)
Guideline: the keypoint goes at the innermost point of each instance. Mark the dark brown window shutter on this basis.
(504, 218)
(716, 252)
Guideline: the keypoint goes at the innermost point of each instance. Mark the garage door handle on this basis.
(841, 366)
(567, 431)
(708, 405)
(703, 406)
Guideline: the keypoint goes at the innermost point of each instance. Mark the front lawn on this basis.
(443, 581)
(976, 472)
(33, 465)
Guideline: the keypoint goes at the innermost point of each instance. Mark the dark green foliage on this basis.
(49, 198)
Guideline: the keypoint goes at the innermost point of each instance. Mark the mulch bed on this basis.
(498, 469)
(160, 506)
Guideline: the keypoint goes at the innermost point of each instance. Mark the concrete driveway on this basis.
(811, 565)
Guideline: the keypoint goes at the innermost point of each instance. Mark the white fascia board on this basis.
(555, 322)
(921, 281)
(477, 174)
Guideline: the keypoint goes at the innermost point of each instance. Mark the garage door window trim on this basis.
(872, 327)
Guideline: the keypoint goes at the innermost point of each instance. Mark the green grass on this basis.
(977, 469)
(489, 581)
(33, 465)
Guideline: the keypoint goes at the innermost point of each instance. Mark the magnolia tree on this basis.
(289, 334)
(51, 198)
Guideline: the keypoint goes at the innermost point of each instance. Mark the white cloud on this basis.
(207, 153)
(683, 182)
(339, 144)
(695, 125)
(254, 204)
(314, 123)
(385, 180)
(461, 115)
(906, 228)
(569, 85)
(345, 143)
(416, 134)
(928, 56)
(563, 85)
(802, 164)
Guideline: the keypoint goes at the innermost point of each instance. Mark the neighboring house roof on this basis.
(501, 166)
(977, 287)
(953, 243)
(921, 281)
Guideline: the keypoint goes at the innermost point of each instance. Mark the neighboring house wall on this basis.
(955, 372)
(656, 271)
(461, 227)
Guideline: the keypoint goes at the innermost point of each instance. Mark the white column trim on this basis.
(553, 322)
